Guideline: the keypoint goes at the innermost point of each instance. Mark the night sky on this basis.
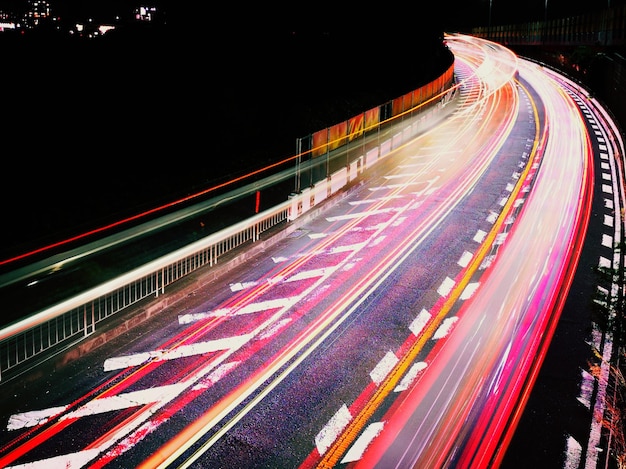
(100, 129)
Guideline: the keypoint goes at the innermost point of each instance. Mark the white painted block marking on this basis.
(384, 366)
(573, 453)
(332, 429)
(446, 287)
(587, 385)
(607, 241)
(465, 259)
(418, 324)
(479, 236)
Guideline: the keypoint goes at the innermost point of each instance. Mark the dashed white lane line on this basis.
(607, 241)
(117, 363)
(418, 324)
(608, 220)
(329, 433)
(360, 445)
(383, 368)
(587, 387)
(465, 259)
(604, 263)
(480, 236)
(446, 287)
(368, 213)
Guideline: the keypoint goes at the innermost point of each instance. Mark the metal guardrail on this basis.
(69, 322)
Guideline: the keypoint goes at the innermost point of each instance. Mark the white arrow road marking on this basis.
(360, 445)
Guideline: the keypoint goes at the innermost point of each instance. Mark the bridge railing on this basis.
(32, 339)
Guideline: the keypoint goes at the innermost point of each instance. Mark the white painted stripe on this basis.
(375, 199)
(605, 166)
(126, 400)
(350, 216)
(604, 156)
(33, 417)
(607, 241)
(332, 429)
(241, 285)
(604, 263)
(469, 290)
(608, 203)
(606, 176)
(446, 286)
(480, 236)
(383, 367)
(347, 248)
(410, 376)
(444, 329)
(360, 445)
(403, 175)
(279, 259)
(510, 187)
(587, 385)
(465, 259)
(492, 217)
(216, 375)
(503, 201)
(602, 147)
(265, 305)
(199, 348)
(573, 453)
(309, 274)
(317, 235)
(608, 220)
(518, 202)
(418, 324)
(80, 459)
(607, 189)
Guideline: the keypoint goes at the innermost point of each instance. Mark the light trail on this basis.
(451, 389)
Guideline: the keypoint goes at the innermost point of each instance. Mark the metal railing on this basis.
(29, 341)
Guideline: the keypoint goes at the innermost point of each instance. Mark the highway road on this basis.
(402, 327)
